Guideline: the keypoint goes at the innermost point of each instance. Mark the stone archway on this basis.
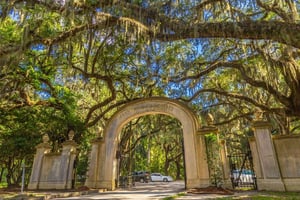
(103, 162)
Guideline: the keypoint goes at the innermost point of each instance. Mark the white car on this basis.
(243, 176)
(160, 177)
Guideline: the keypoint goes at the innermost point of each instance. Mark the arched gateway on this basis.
(102, 171)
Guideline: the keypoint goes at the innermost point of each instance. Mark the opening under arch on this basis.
(150, 144)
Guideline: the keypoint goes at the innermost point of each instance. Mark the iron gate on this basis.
(242, 173)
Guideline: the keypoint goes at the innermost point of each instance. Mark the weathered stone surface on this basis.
(288, 154)
(53, 170)
(276, 159)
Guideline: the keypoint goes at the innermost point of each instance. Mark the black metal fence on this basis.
(242, 173)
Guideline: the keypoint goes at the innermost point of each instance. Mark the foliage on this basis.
(213, 159)
(3, 185)
(111, 42)
(21, 130)
(81, 168)
(155, 146)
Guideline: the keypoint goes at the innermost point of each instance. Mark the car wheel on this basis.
(142, 180)
(165, 180)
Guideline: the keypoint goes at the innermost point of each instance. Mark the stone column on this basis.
(202, 151)
(270, 178)
(225, 164)
(41, 150)
(92, 178)
(68, 157)
(255, 158)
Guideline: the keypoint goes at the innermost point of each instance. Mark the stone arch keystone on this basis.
(103, 162)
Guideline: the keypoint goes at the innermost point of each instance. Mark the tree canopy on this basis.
(261, 37)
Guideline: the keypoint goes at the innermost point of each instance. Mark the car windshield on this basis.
(244, 171)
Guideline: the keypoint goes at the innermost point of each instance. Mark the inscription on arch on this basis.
(139, 109)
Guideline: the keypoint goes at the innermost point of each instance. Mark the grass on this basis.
(22, 196)
(279, 195)
(3, 185)
(174, 196)
(267, 196)
(259, 196)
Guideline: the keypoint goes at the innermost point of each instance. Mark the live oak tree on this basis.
(261, 37)
(21, 130)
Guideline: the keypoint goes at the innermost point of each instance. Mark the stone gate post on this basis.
(204, 168)
(225, 164)
(202, 159)
(93, 179)
(270, 175)
(41, 150)
(68, 157)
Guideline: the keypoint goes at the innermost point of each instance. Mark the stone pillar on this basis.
(225, 164)
(68, 157)
(255, 158)
(202, 152)
(92, 180)
(270, 178)
(41, 150)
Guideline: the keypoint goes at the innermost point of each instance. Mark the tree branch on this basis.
(232, 95)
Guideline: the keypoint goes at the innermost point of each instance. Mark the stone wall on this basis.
(53, 170)
(276, 159)
(288, 156)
